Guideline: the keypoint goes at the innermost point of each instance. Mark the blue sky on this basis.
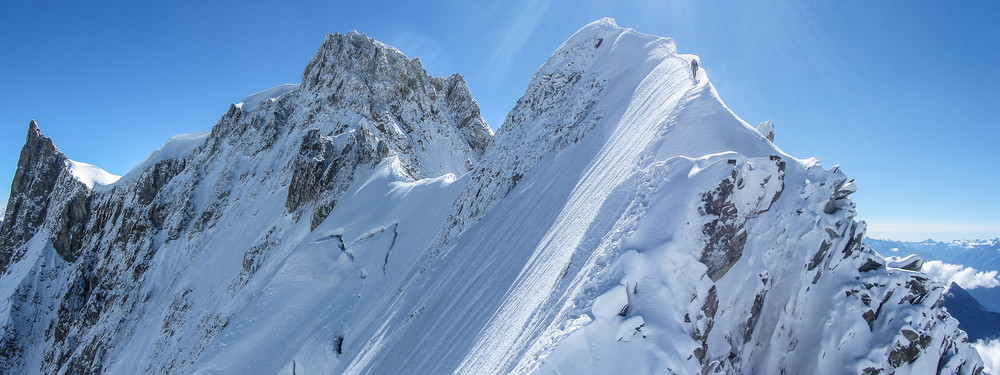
(900, 94)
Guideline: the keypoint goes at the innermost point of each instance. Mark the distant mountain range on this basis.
(983, 255)
(973, 318)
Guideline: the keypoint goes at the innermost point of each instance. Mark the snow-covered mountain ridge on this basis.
(368, 221)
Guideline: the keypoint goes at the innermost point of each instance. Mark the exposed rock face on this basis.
(726, 234)
(402, 106)
(322, 171)
(158, 176)
(433, 125)
(38, 198)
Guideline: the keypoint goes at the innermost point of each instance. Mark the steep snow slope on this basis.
(90, 175)
(177, 147)
(606, 178)
(367, 221)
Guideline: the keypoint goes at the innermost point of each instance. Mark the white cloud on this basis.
(990, 351)
(966, 277)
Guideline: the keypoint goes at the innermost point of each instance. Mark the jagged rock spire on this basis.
(363, 74)
(42, 172)
(38, 170)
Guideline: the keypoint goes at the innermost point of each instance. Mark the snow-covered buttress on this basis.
(622, 220)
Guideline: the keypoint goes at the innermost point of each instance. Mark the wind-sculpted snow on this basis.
(251, 102)
(90, 175)
(623, 220)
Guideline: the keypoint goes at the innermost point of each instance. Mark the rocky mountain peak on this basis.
(357, 72)
(357, 52)
(37, 169)
(41, 173)
(37, 147)
(357, 84)
(355, 63)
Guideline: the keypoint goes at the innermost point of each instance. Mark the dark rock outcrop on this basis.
(322, 171)
(725, 234)
(43, 192)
